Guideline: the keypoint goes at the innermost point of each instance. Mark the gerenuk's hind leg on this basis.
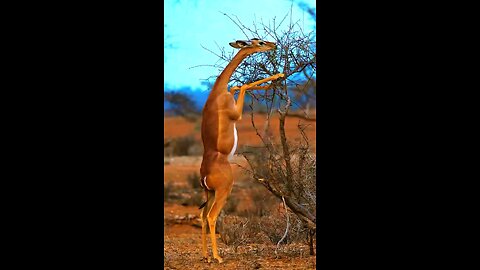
(220, 183)
(218, 204)
(203, 217)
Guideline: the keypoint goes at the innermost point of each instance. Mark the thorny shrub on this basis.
(236, 231)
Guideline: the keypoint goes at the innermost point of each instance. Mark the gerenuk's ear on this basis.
(241, 44)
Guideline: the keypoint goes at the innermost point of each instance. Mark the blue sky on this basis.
(191, 24)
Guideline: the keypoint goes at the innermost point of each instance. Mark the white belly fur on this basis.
(234, 148)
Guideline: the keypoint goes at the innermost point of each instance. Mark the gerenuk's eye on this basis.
(261, 43)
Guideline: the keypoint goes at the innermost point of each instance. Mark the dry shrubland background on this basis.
(253, 220)
(271, 212)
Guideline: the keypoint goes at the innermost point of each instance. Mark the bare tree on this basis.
(286, 169)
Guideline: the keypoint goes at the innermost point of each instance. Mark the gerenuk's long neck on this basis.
(224, 77)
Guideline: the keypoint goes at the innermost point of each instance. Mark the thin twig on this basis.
(203, 66)
(235, 23)
(219, 56)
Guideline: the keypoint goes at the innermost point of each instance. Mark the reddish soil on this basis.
(182, 248)
(183, 251)
(178, 126)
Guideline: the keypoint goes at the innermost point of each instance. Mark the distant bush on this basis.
(180, 148)
(182, 104)
(168, 191)
(194, 180)
(196, 198)
(183, 146)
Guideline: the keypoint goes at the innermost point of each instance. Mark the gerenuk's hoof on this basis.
(220, 260)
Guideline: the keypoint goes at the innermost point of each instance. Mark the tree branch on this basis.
(286, 229)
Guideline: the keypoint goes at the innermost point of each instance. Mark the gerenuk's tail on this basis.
(203, 205)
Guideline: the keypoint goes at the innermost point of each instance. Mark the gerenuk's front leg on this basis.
(251, 86)
(254, 85)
